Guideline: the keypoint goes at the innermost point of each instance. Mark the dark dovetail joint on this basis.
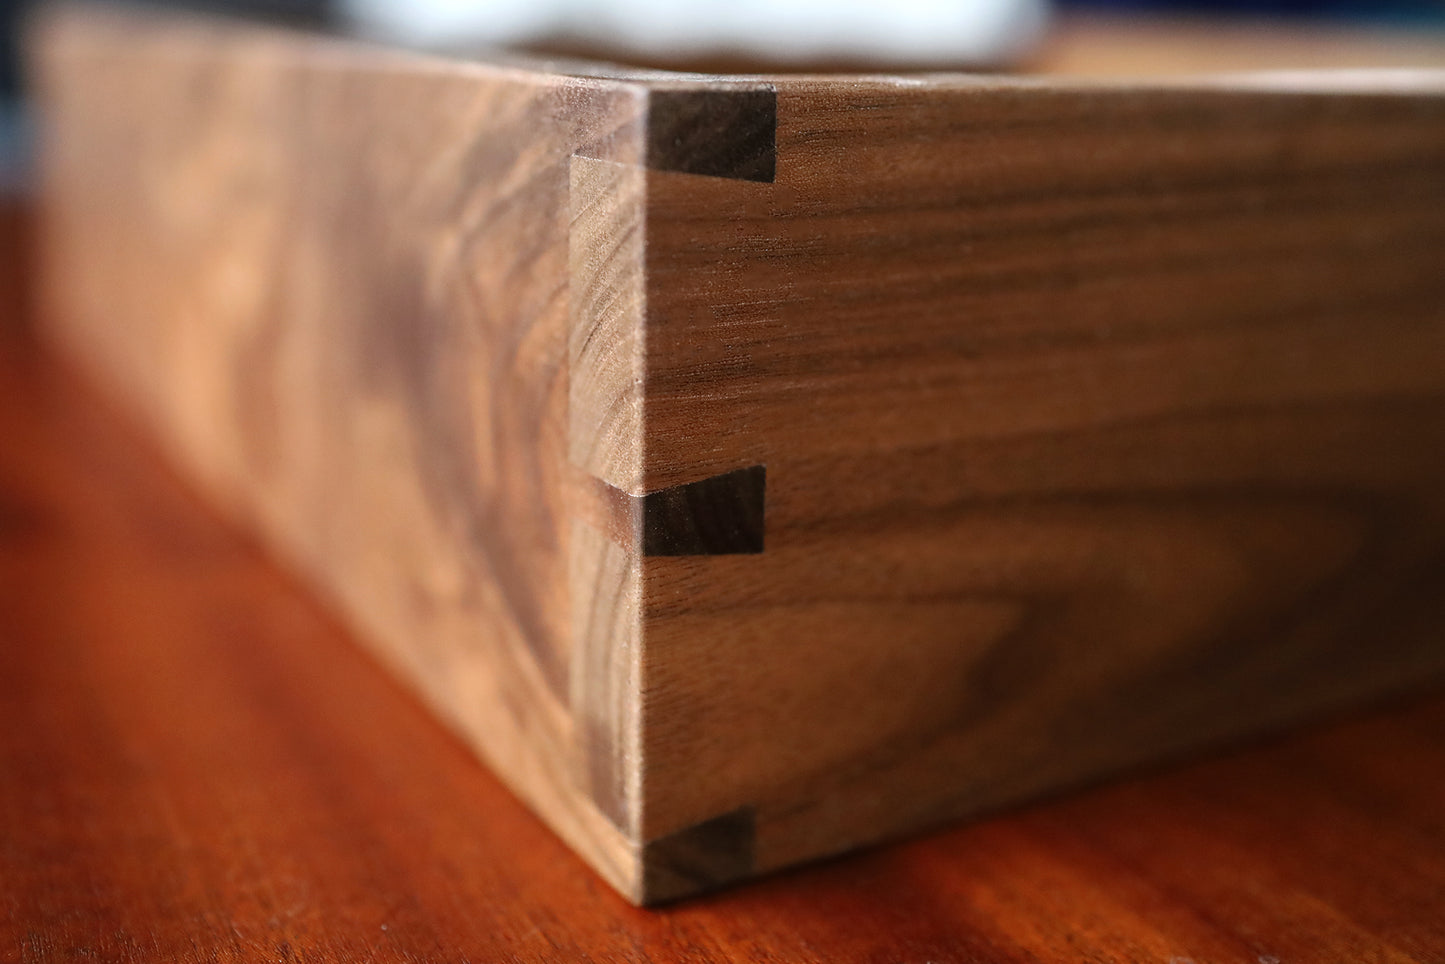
(719, 133)
(703, 857)
(719, 516)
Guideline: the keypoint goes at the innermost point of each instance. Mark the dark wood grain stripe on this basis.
(719, 133)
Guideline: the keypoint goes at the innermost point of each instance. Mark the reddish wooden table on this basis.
(196, 764)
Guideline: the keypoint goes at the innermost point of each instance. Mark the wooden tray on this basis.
(755, 467)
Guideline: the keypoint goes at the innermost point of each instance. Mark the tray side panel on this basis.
(1098, 424)
(334, 280)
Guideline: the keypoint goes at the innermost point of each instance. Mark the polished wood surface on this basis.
(197, 764)
(332, 278)
(1099, 423)
(756, 468)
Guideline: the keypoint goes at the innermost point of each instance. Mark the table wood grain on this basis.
(197, 764)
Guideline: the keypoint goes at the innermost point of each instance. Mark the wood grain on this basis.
(1070, 465)
(752, 468)
(197, 765)
(379, 382)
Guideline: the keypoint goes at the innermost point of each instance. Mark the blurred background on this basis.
(1089, 37)
(1083, 36)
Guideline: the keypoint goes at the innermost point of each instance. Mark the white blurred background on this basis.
(900, 32)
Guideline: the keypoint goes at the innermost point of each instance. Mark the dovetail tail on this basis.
(705, 856)
(722, 515)
(718, 133)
